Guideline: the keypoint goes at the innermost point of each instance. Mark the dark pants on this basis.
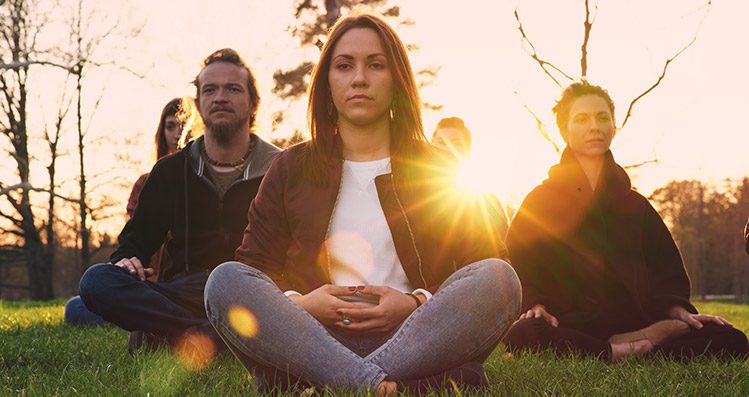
(711, 340)
(76, 313)
(166, 309)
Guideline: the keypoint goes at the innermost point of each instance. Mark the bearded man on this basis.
(199, 197)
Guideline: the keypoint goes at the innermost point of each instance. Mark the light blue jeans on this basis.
(462, 322)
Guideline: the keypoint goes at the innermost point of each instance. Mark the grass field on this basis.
(40, 356)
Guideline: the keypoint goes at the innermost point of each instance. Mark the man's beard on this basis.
(223, 133)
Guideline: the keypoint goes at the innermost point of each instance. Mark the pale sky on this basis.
(691, 123)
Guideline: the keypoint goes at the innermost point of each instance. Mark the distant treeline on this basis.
(706, 220)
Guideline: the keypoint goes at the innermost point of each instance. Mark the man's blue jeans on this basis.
(462, 322)
(76, 313)
(166, 309)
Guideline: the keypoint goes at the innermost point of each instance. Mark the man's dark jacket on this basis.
(435, 230)
(179, 197)
(585, 254)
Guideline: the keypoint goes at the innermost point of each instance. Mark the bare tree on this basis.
(20, 52)
(556, 74)
(19, 36)
(81, 54)
(53, 141)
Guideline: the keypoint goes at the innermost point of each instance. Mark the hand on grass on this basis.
(539, 311)
(134, 267)
(696, 321)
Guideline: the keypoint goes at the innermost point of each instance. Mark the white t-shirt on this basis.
(359, 243)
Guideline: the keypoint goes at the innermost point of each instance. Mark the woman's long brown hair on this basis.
(406, 131)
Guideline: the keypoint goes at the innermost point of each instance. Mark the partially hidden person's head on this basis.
(585, 117)
(226, 95)
(192, 122)
(169, 130)
(451, 135)
(363, 76)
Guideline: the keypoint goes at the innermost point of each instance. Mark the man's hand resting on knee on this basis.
(539, 311)
(134, 267)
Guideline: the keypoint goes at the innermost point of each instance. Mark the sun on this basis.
(471, 178)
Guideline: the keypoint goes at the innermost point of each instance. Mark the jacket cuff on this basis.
(667, 302)
(424, 292)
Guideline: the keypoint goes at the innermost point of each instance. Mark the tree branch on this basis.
(588, 25)
(16, 232)
(23, 64)
(118, 66)
(637, 165)
(539, 124)
(6, 189)
(665, 66)
(657, 82)
(27, 186)
(11, 218)
(534, 54)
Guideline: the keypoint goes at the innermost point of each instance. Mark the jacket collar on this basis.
(261, 157)
(570, 173)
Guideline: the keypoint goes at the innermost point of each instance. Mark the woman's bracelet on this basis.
(415, 298)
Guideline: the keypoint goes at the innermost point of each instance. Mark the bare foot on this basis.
(387, 388)
(621, 351)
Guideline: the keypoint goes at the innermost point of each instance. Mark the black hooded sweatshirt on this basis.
(602, 256)
(179, 198)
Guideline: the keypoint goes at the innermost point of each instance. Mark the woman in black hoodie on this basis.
(601, 274)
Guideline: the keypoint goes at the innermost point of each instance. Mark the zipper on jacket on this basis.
(330, 222)
(410, 231)
(221, 226)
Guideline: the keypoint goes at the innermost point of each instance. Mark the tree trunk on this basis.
(83, 207)
(39, 270)
(701, 281)
(333, 11)
(49, 254)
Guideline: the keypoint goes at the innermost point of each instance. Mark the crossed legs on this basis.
(462, 322)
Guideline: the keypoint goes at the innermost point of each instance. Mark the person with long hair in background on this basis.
(355, 272)
(166, 140)
(601, 274)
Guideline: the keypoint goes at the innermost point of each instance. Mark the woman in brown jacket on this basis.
(356, 271)
(601, 274)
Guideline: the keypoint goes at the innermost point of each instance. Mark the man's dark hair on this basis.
(456, 123)
(570, 94)
(228, 55)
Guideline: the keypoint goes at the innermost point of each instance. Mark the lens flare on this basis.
(470, 178)
(243, 322)
(354, 259)
(195, 351)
